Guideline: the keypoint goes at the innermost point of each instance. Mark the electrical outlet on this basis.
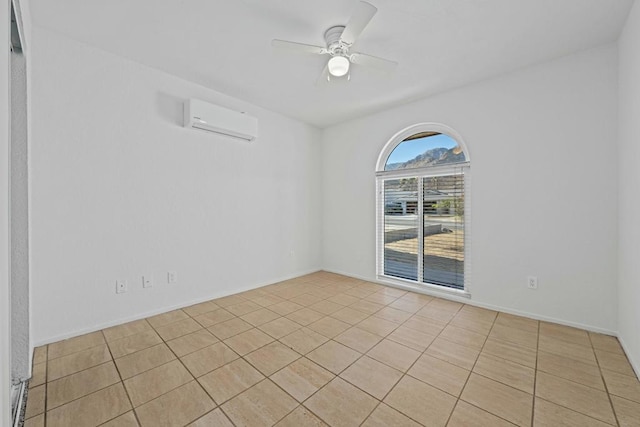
(532, 282)
(121, 286)
(147, 281)
(172, 277)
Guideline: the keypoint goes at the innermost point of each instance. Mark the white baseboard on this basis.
(634, 364)
(448, 296)
(164, 309)
(466, 300)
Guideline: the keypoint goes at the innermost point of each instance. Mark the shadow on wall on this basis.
(170, 108)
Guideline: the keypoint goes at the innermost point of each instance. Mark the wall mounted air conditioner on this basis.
(212, 118)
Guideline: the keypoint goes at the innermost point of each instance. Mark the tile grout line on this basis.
(227, 415)
(446, 324)
(194, 378)
(458, 398)
(218, 405)
(471, 372)
(164, 342)
(406, 373)
(606, 391)
(46, 387)
(606, 387)
(85, 395)
(347, 367)
(121, 382)
(242, 357)
(572, 381)
(535, 378)
(299, 404)
(348, 382)
(614, 354)
(85, 369)
(78, 351)
(262, 380)
(381, 401)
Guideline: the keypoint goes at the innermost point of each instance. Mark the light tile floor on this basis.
(325, 349)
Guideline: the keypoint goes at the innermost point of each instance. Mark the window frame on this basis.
(425, 172)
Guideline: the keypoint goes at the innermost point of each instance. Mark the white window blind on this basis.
(423, 218)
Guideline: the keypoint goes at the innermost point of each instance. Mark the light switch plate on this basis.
(121, 286)
(172, 277)
(147, 281)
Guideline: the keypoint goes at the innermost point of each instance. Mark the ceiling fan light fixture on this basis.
(338, 41)
(338, 66)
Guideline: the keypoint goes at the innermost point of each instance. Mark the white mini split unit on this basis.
(212, 118)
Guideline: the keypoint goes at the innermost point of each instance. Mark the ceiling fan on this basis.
(339, 39)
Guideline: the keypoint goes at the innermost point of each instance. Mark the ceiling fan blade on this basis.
(324, 76)
(298, 47)
(373, 62)
(358, 21)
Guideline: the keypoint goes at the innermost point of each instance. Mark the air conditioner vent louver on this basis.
(213, 118)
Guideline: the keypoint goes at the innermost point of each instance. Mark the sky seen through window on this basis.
(409, 150)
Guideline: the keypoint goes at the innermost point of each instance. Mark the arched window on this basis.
(423, 209)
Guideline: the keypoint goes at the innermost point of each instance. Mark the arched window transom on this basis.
(425, 149)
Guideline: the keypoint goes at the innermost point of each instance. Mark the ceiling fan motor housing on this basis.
(335, 46)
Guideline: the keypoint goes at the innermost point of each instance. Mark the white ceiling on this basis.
(440, 44)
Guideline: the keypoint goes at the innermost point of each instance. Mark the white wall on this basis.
(20, 350)
(120, 189)
(5, 295)
(543, 153)
(629, 200)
